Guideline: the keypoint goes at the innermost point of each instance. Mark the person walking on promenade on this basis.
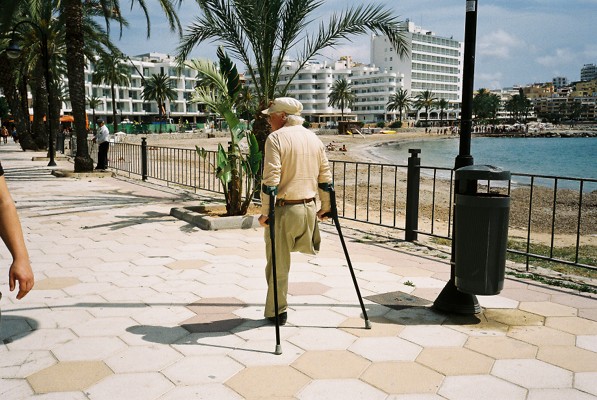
(102, 138)
(12, 235)
(4, 135)
(295, 162)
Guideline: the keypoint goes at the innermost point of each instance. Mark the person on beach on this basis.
(12, 235)
(102, 138)
(295, 162)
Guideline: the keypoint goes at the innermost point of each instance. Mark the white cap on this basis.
(284, 104)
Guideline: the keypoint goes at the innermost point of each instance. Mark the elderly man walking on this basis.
(295, 162)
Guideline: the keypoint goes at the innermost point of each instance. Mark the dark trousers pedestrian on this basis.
(102, 155)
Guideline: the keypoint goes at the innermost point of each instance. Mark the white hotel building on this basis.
(433, 63)
(129, 102)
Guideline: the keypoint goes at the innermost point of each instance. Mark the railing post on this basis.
(144, 159)
(413, 177)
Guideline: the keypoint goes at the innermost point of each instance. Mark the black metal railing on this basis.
(546, 211)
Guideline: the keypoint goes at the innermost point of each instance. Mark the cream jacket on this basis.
(295, 162)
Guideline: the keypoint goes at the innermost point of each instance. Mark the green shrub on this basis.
(380, 124)
(396, 124)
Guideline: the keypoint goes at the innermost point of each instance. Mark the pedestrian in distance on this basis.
(296, 163)
(102, 138)
(20, 271)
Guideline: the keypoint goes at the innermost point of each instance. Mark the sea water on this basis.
(566, 157)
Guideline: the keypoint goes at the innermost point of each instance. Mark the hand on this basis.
(323, 215)
(263, 220)
(21, 272)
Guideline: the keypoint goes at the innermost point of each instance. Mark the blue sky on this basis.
(518, 42)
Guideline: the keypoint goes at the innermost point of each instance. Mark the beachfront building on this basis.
(131, 106)
(433, 63)
(312, 86)
(588, 72)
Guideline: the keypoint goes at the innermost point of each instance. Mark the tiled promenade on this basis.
(131, 303)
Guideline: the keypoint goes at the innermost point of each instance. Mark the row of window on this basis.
(440, 41)
(435, 68)
(435, 50)
(435, 77)
(435, 59)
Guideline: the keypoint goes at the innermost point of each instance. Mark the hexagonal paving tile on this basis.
(89, 348)
(385, 349)
(548, 309)
(569, 357)
(337, 364)
(187, 264)
(20, 364)
(585, 381)
(143, 359)
(558, 394)
(69, 376)
(433, 336)
(402, 377)
(202, 369)
(501, 347)
(532, 373)
(56, 283)
(541, 336)
(574, 325)
(474, 387)
(213, 391)
(322, 339)
(380, 327)
(212, 323)
(268, 382)
(514, 317)
(340, 389)
(306, 288)
(217, 305)
(455, 361)
(147, 385)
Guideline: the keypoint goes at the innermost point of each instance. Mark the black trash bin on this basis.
(481, 231)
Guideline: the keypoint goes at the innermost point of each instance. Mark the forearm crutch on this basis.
(272, 191)
(329, 187)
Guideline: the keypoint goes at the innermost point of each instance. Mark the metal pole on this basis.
(144, 159)
(450, 299)
(413, 178)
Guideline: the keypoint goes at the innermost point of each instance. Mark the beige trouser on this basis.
(295, 230)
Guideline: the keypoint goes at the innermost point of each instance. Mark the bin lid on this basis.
(482, 172)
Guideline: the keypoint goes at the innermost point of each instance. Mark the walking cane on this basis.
(272, 191)
(329, 187)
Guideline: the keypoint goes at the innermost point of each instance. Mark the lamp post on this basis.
(13, 51)
(450, 299)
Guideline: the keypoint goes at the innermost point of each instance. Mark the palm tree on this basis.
(400, 100)
(94, 102)
(220, 91)
(158, 88)
(341, 95)
(110, 71)
(426, 100)
(260, 33)
(442, 104)
(73, 12)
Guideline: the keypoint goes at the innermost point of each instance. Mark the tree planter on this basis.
(206, 217)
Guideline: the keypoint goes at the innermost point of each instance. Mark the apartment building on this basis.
(432, 63)
(312, 86)
(588, 72)
(130, 104)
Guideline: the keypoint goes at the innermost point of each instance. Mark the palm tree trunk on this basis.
(75, 62)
